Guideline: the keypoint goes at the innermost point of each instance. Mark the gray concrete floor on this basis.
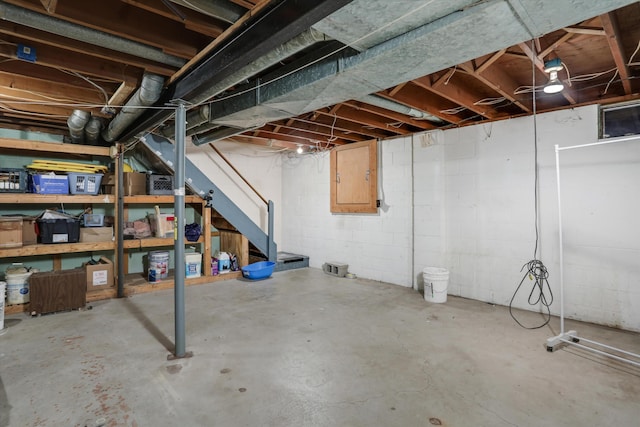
(306, 349)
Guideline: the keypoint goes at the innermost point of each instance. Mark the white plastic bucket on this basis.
(193, 264)
(3, 288)
(158, 265)
(436, 281)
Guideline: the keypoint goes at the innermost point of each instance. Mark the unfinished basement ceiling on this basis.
(314, 73)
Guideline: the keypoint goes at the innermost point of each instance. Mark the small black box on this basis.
(58, 230)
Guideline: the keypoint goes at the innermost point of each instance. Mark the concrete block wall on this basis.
(472, 211)
(376, 246)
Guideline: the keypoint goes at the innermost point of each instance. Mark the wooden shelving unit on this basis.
(134, 283)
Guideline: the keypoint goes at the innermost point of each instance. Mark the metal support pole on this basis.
(178, 231)
(272, 255)
(120, 218)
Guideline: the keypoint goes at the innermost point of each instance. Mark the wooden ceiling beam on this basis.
(591, 31)
(493, 58)
(266, 133)
(261, 141)
(500, 81)
(568, 93)
(343, 125)
(49, 5)
(612, 30)
(314, 133)
(50, 112)
(59, 59)
(323, 131)
(33, 35)
(40, 89)
(420, 101)
(192, 20)
(555, 45)
(392, 115)
(126, 21)
(367, 119)
(457, 94)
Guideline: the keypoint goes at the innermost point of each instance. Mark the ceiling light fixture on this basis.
(299, 149)
(552, 67)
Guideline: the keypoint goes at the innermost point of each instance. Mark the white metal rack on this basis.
(571, 337)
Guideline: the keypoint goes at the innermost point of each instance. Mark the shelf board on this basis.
(156, 200)
(56, 248)
(152, 242)
(53, 147)
(30, 198)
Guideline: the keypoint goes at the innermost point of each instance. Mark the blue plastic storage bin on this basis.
(49, 184)
(84, 183)
(258, 270)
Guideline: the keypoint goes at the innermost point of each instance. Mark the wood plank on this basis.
(237, 244)
(29, 145)
(154, 242)
(592, 31)
(54, 199)
(56, 248)
(49, 5)
(497, 79)
(159, 199)
(612, 30)
(82, 48)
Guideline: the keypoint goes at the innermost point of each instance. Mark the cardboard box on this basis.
(135, 183)
(100, 275)
(29, 235)
(96, 234)
(10, 231)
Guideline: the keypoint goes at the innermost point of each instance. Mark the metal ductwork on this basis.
(450, 39)
(387, 104)
(270, 28)
(223, 10)
(148, 93)
(76, 123)
(280, 53)
(92, 130)
(42, 22)
(195, 118)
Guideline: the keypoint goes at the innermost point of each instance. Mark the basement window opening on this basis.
(619, 120)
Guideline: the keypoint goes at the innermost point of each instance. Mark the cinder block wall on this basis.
(472, 211)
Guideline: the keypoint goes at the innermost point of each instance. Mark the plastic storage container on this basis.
(193, 266)
(49, 184)
(258, 270)
(160, 184)
(84, 183)
(58, 230)
(13, 180)
(436, 282)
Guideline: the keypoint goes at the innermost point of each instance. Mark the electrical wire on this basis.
(535, 267)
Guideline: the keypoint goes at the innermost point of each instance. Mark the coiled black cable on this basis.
(535, 269)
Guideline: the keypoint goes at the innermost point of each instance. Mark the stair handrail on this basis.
(238, 173)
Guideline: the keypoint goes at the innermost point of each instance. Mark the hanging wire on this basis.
(535, 267)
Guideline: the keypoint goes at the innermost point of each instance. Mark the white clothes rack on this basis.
(571, 337)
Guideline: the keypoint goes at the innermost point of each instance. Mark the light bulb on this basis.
(299, 150)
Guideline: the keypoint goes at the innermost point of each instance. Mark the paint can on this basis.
(158, 265)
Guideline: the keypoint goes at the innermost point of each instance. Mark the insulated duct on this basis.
(148, 93)
(302, 41)
(76, 122)
(217, 135)
(398, 108)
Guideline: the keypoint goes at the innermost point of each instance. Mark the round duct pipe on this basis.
(92, 130)
(148, 93)
(76, 123)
